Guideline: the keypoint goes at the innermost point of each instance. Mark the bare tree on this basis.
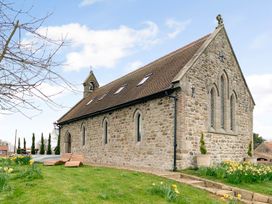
(26, 64)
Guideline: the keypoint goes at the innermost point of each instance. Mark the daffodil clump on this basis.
(6, 169)
(22, 160)
(169, 192)
(247, 172)
(231, 199)
(235, 172)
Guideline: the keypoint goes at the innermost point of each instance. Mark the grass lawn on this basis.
(261, 187)
(95, 185)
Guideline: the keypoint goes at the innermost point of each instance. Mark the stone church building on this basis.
(154, 116)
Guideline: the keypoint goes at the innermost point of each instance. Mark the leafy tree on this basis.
(19, 147)
(49, 151)
(57, 148)
(257, 140)
(203, 149)
(249, 151)
(33, 144)
(42, 150)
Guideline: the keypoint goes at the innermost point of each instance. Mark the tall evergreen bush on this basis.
(42, 150)
(49, 151)
(203, 149)
(57, 148)
(33, 144)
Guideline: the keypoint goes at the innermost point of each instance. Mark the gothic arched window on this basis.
(138, 126)
(222, 100)
(105, 131)
(83, 134)
(232, 112)
(212, 108)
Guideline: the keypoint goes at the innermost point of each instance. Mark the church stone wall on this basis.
(222, 144)
(155, 150)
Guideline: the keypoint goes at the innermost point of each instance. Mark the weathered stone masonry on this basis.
(205, 73)
(155, 149)
(193, 117)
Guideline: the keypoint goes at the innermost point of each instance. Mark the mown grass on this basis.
(95, 185)
(260, 187)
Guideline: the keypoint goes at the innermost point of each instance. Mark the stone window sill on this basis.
(223, 133)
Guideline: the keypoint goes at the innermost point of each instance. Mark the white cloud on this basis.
(176, 26)
(88, 2)
(261, 88)
(133, 66)
(101, 48)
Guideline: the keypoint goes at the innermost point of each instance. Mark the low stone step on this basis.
(224, 192)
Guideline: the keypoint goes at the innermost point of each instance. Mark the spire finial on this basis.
(219, 20)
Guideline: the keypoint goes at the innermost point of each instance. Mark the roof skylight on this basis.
(89, 102)
(144, 79)
(103, 96)
(120, 89)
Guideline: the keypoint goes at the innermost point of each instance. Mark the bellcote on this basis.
(90, 84)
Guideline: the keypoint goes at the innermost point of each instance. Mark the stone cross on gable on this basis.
(221, 56)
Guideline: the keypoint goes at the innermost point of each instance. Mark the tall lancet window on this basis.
(222, 89)
(212, 108)
(105, 131)
(232, 112)
(83, 134)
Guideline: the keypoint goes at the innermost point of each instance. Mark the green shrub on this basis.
(30, 173)
(249, 151)
(57, 148)
(42, 150)
(3, 182)
(33, 144)
(234, 172)
(169, 192)
(22, 160)
(49, 151)
(203, 149)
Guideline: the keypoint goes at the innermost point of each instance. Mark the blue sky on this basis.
(115, 37)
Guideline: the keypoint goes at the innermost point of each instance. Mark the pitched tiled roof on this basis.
(4, 148)
(162, 73)
(265, 147)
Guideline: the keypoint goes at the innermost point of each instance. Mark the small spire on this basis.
(219, 20)
(91, 68)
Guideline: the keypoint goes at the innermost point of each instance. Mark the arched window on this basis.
(232, 112)
(83, 135)
(212, 108)
(138, 126)
(105, 131)
(222, 99)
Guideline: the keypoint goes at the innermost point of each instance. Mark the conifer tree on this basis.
(42, 145)
(24, 144)
(33, 144)
(49, 151)
(57, 148)
(19, 147)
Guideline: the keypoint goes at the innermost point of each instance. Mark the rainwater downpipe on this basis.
(175, 131)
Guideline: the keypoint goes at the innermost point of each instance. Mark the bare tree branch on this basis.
(28, 64)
